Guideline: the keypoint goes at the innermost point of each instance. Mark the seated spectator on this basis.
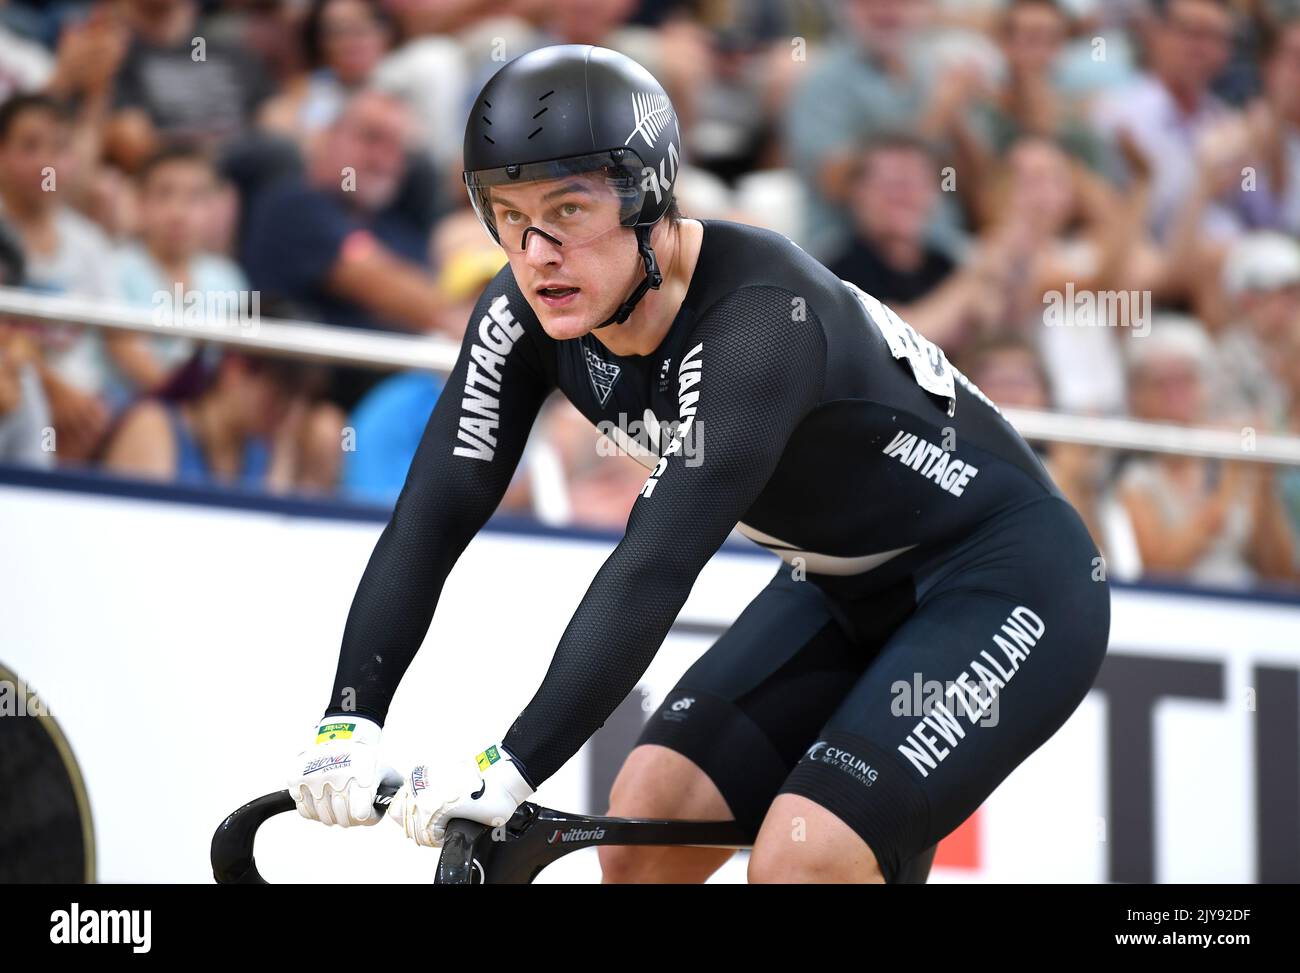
(345, 41)
(1029, 102)
(1275, 130)
(893, 197)
(1009, 371)
(24, 413)
(1059, 234)
(177, 193)
(1212, 522)
(334, 243)
(389, 422)
(871, 80)
(601, 483)
(170, 88)
(1289, 477)
(65, 254)
(1261, 284)
(222, 419)
(1170, 108)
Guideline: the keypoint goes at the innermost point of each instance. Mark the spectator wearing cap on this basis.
(1261, 288)
(1211, 522)
(65, 254)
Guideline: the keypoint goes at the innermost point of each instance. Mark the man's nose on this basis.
(540, 248)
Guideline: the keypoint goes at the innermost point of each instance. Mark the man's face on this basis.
(1193, 42)
(352, 40)
(176, 206)
(37, 140)
(369, 139)
(884, 26)
(575, 285)
(1044, 182)
(1010, 376)
(1283, 73)
(894, 196)
(1035, 33)
(1169, 389)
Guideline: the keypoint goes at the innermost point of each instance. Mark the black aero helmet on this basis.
(569, 109)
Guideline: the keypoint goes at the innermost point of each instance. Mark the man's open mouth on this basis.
(557, 291)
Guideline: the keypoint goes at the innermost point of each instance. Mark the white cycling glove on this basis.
(336, 778)
(487, 790)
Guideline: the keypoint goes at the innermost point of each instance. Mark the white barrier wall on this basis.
(186, 650)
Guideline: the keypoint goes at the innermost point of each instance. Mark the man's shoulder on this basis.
(739, 260)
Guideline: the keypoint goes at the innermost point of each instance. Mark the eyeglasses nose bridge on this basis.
(523, 242)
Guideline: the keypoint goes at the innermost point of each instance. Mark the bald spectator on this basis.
(335, 242)
(893, 196)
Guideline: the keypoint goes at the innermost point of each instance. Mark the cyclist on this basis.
(921, 541)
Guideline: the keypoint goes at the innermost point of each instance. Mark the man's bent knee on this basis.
(656, 782)
(803, 843)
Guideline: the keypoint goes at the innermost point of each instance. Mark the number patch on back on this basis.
(929, 364)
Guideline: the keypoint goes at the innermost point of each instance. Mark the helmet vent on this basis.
(490, 139)
(543, 97)
(534, 131)
(538, 115)
(488, 120)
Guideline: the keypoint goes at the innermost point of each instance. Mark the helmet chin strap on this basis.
(652, 279)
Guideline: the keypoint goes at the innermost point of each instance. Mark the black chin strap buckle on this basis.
(653, 278)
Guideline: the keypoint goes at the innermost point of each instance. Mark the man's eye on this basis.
(514, 216)
(569, 209)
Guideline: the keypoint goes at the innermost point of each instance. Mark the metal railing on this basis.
(372, 349)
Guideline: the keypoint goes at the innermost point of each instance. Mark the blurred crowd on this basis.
(1093, 206)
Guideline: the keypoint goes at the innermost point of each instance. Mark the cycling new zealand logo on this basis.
(851, 764)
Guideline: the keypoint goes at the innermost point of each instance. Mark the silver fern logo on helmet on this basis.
(650, 113)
